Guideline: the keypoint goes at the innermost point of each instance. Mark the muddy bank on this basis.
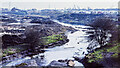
(86, 64)
(102, 57)
(59, 54)
(30, 53)
(43, 30)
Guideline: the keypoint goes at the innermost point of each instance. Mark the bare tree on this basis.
(32, 38)
(103, 27)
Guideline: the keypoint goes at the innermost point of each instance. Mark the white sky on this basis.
(60, 0)
(41, 4)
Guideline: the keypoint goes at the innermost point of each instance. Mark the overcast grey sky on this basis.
(42, 4)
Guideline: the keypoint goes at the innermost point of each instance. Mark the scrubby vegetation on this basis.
(99, 54)
(52, 39)
(103, 27)
(42, 37)
(35, 38)
(41, 42)
(12, 49)
(21, 65)
(108, 54)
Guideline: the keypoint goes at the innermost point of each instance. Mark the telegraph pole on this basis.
(9, 5)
